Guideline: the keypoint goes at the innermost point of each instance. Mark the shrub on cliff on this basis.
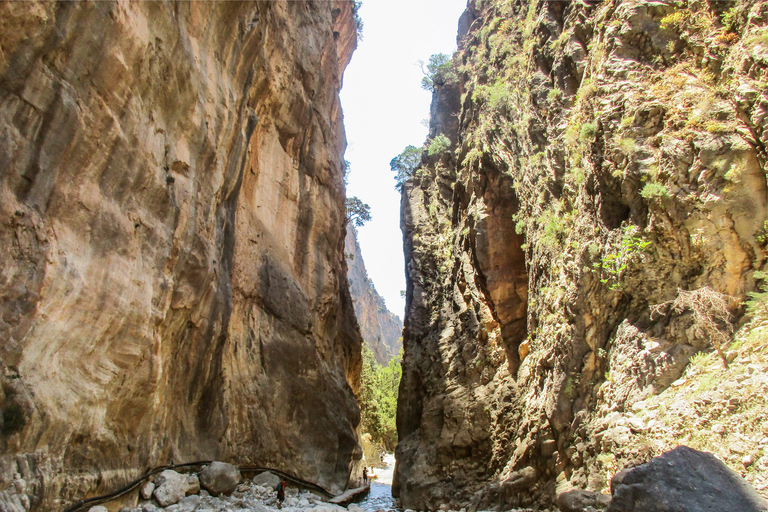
(438, 145)
(439, 70)
(404, 164)
(358, 213)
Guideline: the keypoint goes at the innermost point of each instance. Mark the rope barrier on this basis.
(98, 500)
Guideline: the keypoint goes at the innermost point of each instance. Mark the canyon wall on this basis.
(606, 159)
(173, 283)
(380, 328)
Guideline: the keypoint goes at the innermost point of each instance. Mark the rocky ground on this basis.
(174, 492)
(711, 408)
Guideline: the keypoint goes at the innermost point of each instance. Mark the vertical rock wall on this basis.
(605, 156)
(171, 216)
(380, 328)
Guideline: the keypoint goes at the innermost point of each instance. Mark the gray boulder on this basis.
(170, 487)
(220, 478)
(147, 489)
(578, 500)
(267, 479)
(683, 480)
(193, 484)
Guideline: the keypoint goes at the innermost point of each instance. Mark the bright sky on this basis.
(384, 106)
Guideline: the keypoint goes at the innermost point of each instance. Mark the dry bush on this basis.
(712, 316)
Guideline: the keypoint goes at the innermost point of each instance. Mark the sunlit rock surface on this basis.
(173, 283)
(380, 328)
(605, 157)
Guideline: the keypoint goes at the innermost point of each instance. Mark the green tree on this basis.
(356, 5)
(358, 212)
(404, 164)
(439, 71)
(378, 398)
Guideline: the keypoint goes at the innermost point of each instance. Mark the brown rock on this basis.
(172, 224)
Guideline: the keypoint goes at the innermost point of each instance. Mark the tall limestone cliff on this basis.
(381, 329)
(606, 159)
(173, 283)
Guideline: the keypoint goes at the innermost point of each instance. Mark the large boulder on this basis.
(220, 478)
(683, 480)
(266, 479)
(170, 487)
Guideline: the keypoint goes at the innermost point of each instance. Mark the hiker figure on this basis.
(280, 493)
(365, 475)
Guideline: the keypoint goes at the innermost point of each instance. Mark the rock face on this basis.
(606, 158)
(173, 281)
(380, 328)
(686, 480)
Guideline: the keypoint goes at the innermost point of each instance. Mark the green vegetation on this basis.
(358, 213)
(495, 96)
(554, 95)
(587, 132)
(555, 227)
(758, 301)
(378, 398)
(615, 264)
(439, 71)
(438, 145)
(405, 164)
(655, 190)
(358, 20)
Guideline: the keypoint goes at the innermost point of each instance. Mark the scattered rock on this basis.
(683, 480)
(98, 508)
(578, 500)
(189, 504)
(193, 484)
(266, 479)
(220, 478)
(147, 489)
(170, 487)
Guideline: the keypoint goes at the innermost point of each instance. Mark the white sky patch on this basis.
(384, 106)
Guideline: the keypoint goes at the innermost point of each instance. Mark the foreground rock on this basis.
(683, 480)
(266, 479)
(247, 497)
(172, 228)
(220, 478)
(170, 487)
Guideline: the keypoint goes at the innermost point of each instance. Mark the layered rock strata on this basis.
(381, 329)
(173, 280)
(596, 221)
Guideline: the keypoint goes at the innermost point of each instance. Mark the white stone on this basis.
(189, 504)
(147, 489)
(171, 487)
(98, 508)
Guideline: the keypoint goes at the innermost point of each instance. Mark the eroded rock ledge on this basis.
(171, 217)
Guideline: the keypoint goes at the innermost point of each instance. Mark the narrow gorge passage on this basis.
(585, 233)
